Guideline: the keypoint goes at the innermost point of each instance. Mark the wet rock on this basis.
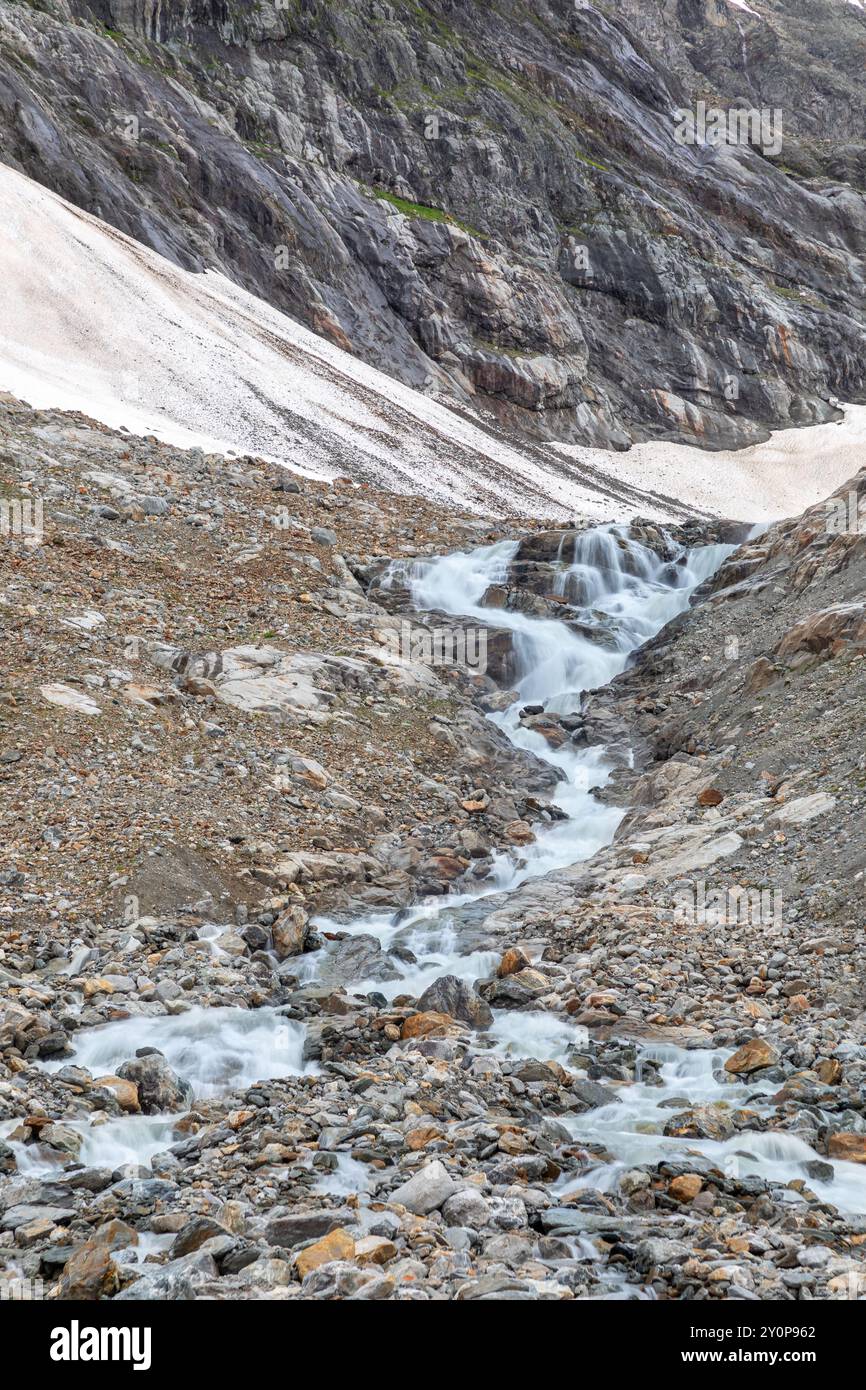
(428, 1025)
(592, 1094)
(752, 1056)
(701, 1122)
(159, 1088)
(686, 1187)
(356, 958)
(513, 960)
(124, 1091)
(521, 987)
(448, 995)
(851, 1147)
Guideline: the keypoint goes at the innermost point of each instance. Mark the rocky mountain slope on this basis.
(487, 201)
(290, 1103)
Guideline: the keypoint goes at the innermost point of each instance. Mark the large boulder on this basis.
(356, 958)
(448, 995)
(426, 1190)
(290, 932)
(752, 1056)
(159, 1088)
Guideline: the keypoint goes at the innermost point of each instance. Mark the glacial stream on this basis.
(219, 1050)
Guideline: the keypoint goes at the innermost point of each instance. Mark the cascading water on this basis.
(631, 1128)
(639, 592)
(612, 578)
(617, 577)
(628, 584)
(622, 593)
(214, 1050)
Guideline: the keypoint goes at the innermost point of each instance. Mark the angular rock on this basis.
(449, 995)
(426, 1190)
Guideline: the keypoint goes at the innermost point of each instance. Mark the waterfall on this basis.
(609, 577)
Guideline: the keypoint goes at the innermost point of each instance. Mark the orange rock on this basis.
(418, 1138)
(753, 1055)
(426, 1025)
(829, 1071)
(686, 1187)
(334, 1246)
(798, 1004)
(513, 1142)
(125, 1092)
(96, 985)
(89, 1274)
(374, 1250)
(519, 833)
(851, 1147)
(710, 796)
(513, 960)
(236, 1119)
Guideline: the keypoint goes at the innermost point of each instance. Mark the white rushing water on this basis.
(215, 1050)
(627, 593)
(632, 1130)
(606, 576)
(611, 577)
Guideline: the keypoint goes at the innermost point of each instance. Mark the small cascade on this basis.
(632, 1129)
(555, 667)
(215, 1050)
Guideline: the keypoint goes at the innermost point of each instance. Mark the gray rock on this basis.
(24, 1214)
(449, 995)
(467, 1208)
(159, 1088)
(294, 1228)
(426, 1190)
(592, 1094)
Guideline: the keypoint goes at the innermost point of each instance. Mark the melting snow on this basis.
(90, 320)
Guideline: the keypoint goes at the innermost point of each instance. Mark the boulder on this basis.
(159, 1088)
(448, 995)
(336, 1245)
(752, 1056)
(290, 932)
(426, 1190)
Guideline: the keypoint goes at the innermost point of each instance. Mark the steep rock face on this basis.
(488, 201)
